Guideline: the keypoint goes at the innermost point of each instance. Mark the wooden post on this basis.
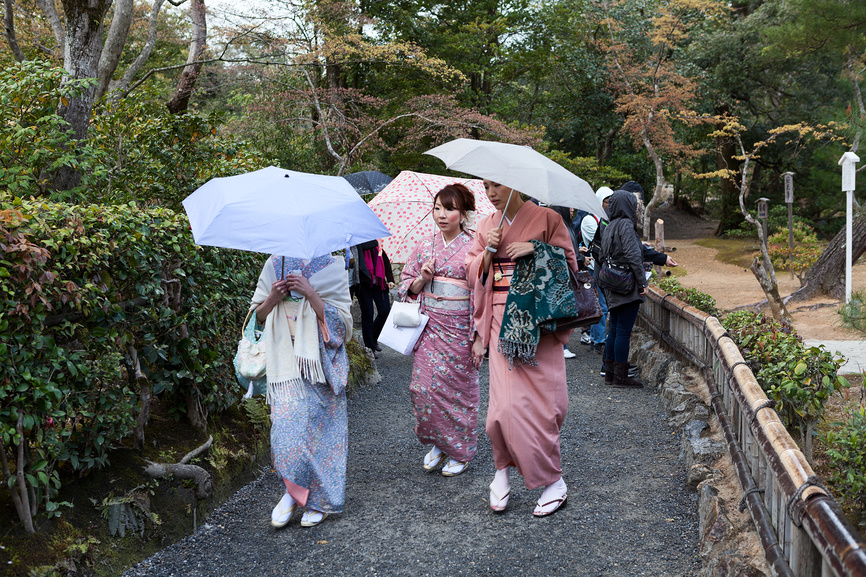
(660, 235)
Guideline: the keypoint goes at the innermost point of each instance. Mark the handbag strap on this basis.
(246, 320)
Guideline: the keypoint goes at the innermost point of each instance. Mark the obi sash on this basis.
(449, 294)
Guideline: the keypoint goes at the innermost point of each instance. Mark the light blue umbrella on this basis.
(283, 212)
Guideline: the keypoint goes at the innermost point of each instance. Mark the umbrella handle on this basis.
(507, 202)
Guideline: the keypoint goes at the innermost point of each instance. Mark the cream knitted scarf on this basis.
(290, 364)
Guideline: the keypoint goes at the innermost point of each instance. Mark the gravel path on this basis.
(628, 511)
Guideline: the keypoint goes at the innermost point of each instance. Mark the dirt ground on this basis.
(735, 286)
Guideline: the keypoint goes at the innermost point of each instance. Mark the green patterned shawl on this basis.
(540, 292)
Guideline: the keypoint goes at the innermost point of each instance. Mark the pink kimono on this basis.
(444, 387)
(527, 403)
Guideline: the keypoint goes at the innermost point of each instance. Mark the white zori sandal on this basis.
(552, 499)
(454, 468)
(283, 511)
(433, 459)
(500, 491)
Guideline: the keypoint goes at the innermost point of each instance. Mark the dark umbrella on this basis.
(368, 181)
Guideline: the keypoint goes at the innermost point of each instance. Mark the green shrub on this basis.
(806, 251)
(86, 290)
(846, 442)
(34, 139)
(800, 380)
(699, 300)
(853, 312)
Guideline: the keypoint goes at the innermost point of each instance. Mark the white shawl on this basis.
(290, 364)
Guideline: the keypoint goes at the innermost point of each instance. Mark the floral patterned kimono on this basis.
(309, 427)
(444, 386)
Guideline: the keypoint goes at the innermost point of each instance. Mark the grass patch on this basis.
(735, 251)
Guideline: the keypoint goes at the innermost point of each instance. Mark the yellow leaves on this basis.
(64, 101)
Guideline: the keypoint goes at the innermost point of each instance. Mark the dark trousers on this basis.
(371, 326)
(621, 323)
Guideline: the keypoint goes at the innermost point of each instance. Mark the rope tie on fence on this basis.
(768, 404)
(743, 503)
(716, 395)
(795, 508)
(734, 366)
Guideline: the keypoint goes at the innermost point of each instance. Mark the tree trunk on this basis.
(195, 412)
(9, 22)
(124, 83)
(47, 7)
(827, 275)
(605, 149)
(730, 216)
(114, 42)
(137, 380)
(82, 48)
(186, 84)
(660, 183)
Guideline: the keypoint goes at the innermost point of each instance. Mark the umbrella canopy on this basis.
(368, 181)
(520, 168)
(278, 211)
(405, 206)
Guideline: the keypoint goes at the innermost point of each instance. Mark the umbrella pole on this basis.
(507, 202)
(283, 272)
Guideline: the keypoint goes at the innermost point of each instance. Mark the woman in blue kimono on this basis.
(304, 307)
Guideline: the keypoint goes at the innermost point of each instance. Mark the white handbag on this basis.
(403, 339)
(250, 358)
(405, 314)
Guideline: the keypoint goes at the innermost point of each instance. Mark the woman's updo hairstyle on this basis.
(456, 197)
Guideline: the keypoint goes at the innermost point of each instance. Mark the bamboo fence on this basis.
(811, 532)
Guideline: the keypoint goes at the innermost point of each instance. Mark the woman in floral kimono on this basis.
(304, 307)
(528, 402)
(444, 385)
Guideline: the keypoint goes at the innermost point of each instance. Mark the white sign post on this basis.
(848, 160)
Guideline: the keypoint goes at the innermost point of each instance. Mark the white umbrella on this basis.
(283, 212)
(520, 168)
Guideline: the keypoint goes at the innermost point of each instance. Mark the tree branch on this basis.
(132, 71)
(113, 46)
(48, 8)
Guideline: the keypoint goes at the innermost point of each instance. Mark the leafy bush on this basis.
(34, 139)
(699, 300)
(800, 380)
(154, 157)
(846, 442)
(806, 251)
(90, 294)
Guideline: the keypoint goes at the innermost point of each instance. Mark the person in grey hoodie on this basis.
(622, 246)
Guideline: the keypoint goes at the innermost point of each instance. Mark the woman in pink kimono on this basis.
(444, 387)
(528, 402)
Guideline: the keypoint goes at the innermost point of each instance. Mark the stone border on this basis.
(729, 545)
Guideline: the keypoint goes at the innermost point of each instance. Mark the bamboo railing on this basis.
(811, 532)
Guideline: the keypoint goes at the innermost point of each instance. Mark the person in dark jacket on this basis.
(374, 279)
(621, 245)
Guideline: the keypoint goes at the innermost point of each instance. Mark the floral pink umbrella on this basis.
(405, 208)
